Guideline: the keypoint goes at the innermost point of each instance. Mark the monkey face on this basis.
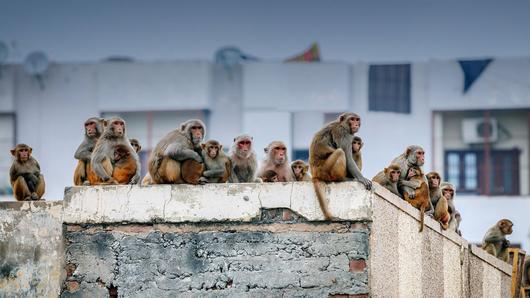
(197, 133)
(420, 157)
(356, 146)
(297, 169)
(394, 175)
(91, 129)
(434, 180)
(213, 151)
(244, 147)
(506, 226)
(448, 193)
(274, 179)
(21, 152)
(355, 123)
(118, 127)
(279, 154)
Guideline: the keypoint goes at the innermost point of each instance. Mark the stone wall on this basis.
(263, 240)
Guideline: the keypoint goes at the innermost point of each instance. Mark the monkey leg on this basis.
(40, 187)
(491, 249)
(191, 171)
(334, 168)
(20, 190)
(124, 171)
(80, 175)
(94, 179)
(503, 255)
(168, 171)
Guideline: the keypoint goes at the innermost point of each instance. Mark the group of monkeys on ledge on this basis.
(106, 157)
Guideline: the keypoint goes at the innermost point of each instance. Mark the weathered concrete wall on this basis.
(434, 263)
(264, 240)
(31, 249)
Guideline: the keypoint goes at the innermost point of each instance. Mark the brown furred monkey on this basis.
(176, 158)
(102, 169)
(276, 159)
(25, 176)
(390, 179)
(495, 242)
(136, 145)
(270, 176)
(356, 150)
(300, 170)
(448, 191)
(331, 157)
(421, 199)
(217, 166)
(434, 180)
(93, 130)
(244, 162)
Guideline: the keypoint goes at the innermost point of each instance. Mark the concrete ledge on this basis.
(348, 201)
(493, 261)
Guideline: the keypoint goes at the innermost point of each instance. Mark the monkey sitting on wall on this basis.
(93, 129)
(390, 178)
(176, 157)
(421, 199)
(218, 166)
(270, 176)
(244, 162)
(331, 156)
(495, 242)
(356, 145)
(300, 170)
(278, 161)
(448, 191)
(25, 176)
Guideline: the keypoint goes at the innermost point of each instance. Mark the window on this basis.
(389, 88)
(302, 154)
(467, 171)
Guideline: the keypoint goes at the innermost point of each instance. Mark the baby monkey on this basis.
(300, 170)
(218, 166)
(269, 176)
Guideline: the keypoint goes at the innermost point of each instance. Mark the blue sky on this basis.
(371, 31)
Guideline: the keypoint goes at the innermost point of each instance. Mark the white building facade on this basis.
(420, 103)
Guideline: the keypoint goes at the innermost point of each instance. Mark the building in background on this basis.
(478, 139)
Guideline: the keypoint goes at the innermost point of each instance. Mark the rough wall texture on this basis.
(292, 259)
(31, 249)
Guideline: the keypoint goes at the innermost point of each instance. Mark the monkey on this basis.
(448, 191)
(136, 145)
(434, 180)
(176, 158)
(103, 171)
(526, 271)
(331, 157)
(93, 130)
(300, 170)
(244, 162)
(270, 176)
(218, 166)
(390, 180)
(277, 160)
(441, 212)
(495, 242)
(25, 176)
(421, 199)
(357, 144)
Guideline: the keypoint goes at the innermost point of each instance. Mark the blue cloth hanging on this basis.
(472, 70)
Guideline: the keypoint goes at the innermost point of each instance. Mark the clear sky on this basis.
(372, 31)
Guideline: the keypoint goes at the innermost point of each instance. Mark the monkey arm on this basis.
(98, 156)
(412, 184)
(177, 153)
(213, 173)
(351, 165)
(83, 152)
(494, 238)
(136, 178)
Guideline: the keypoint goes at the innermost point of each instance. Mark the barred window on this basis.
(389, 88)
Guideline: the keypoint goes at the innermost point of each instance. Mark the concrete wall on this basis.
(31, 249)
(237, 239)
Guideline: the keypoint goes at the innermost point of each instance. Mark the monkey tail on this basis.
(321, 199)
(422, 217)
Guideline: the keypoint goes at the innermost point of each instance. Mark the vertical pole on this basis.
(487, 157)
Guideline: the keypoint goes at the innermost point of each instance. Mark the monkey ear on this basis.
(13, 152)
(220, 147)
(183, 127)
(139, 148)
(341, 118)
(386, 170)
(266, 149)
(407, 152)
(30, 150)
(203, 145)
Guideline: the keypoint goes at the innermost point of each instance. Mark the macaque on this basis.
(434, 181)
(278, 161)
(390, 179)
(176, 158)
(93, 129)
(421, 200)
(136, 145)
(244, 163)
(448, 191)
(300, 170)
(25, 176)
(103, 170)
(218, 166)
(356, 150)
(495, 242)
(331, 156)
(270, 176)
